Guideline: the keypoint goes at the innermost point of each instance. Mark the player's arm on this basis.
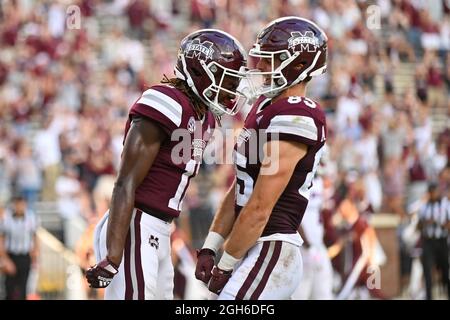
(253, 217)
(6, 263)
(368, 244)
(447, 224)
(268, 188)
(219, 230)
(306, 243)
(335, 249)
(140, 149)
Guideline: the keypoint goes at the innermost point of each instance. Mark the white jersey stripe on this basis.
(164, 104)
(294, 131)
(305, 126)
(298, 125)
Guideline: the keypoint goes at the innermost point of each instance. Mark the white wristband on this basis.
(213, 241)
(227, 262)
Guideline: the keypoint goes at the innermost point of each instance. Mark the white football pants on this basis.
(146, 271)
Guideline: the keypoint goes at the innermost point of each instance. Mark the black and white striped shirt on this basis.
(439, 212)
(18, 232)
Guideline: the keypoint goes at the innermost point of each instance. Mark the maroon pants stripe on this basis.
(127, 265)
(254, 272)
(268, 271)
(137, 256)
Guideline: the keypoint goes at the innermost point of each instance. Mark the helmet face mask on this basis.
(296, 49)
(276, 77)
(213, 63)
(224, 96)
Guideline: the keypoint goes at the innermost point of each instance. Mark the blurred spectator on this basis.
(49, 156)
(430, 31)
(6, 172)
(359, 245)
(317, 278)
(434, 224)
(200, 210)
(27, 174)
(435, 79)
(85, 252)
(18, 247)
(366, 150)
(186, 286)
(68, 189)
(416, 176)
(138, 12)
(203, 11)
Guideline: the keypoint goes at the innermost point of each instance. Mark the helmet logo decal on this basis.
(199, 50)
(307, 41)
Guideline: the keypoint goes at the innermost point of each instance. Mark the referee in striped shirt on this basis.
(434, 224)
(18, 247)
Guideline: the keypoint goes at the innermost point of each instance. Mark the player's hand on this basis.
(7, 266)
(205, 264)
(219, 279)
(101, 275)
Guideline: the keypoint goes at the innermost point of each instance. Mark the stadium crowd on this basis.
(65, 94)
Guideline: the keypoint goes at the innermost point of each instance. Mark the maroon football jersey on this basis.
(165, 185)
(296, 119)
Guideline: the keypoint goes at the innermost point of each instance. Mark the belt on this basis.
(160, 215)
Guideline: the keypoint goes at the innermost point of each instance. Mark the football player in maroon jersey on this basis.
(132, 242)
(262, 211)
